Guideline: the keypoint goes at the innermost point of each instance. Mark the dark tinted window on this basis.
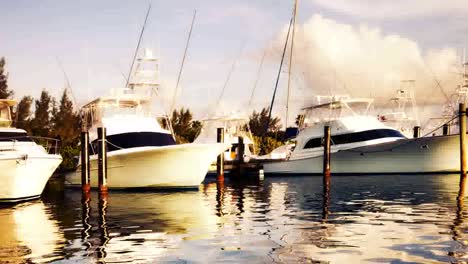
(18, 136)
(355, 137)
(135, 139)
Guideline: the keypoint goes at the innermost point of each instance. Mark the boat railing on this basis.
(51, 145)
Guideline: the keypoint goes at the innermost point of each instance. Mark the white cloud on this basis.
(364, 62)
(384, 9)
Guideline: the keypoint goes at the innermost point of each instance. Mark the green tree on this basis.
(22, 113)
(66, 127)
(258, 122)
(41, 123)
(66, 122)
(266, 145)
(4, 92)
(185, 129)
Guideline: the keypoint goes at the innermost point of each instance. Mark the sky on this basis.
(357, 47)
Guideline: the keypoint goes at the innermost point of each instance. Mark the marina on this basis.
(293, 132)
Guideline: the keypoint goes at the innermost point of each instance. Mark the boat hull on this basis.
(438, 154)
(24, 177)
(175, 166)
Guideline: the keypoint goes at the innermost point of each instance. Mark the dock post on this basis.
(102, 160)
(462, 123)
(85, 169)
(240, 155)
(446, 129)
(326, 151)
(416, 132)
(220, 161)
(326, 171)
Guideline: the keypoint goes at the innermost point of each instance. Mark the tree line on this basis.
(266, 131)
(50, 118)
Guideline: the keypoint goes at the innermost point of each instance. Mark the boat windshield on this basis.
(334, 110)
(114, 107)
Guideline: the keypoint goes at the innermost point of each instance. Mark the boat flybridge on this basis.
(361, 144)
(403, 115)
(25, 166)
(235, 126)
(141, 154)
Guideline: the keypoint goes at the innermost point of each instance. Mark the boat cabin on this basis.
(335, 108)
(350, 122)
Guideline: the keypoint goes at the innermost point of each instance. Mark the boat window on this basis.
(18, 136)
(135, 139)
(355, 137)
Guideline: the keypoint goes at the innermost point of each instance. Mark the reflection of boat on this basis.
(140, 152)
(234, 127)
(362, 144)
(157, 222)
(22, 238)
(25, 166)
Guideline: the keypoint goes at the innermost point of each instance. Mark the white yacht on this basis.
(141, 154)
(25, 167)
(361, 144)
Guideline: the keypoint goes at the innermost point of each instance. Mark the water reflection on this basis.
(287, 220)
(28, 233)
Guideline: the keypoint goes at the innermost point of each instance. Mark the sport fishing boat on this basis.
(25, 167)
(361, 144)
(140, 153)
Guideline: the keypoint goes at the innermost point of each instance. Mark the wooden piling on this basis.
(462, 124)
(240, 149)
(240, 155)
(416, 131)
(85, 169)
(220, 161)
(326, 171)
(102, 159)
(326, 151)
(446, 129)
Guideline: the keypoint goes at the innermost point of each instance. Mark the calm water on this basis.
(397, 219)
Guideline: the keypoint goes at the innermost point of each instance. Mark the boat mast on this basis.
(291, 62)
(278, 77)
(138, 46)
(257, 78)
(183, 62)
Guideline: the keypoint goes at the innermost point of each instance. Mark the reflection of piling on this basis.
(220, 161)
(446, 129)
(85, 170)
(85, 217)
(326, 151)
(326, 198)
(104, 233)
(416, 132)
(458, 221)
(219, 198)
(102, 159)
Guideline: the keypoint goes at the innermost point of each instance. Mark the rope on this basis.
(110, 143)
